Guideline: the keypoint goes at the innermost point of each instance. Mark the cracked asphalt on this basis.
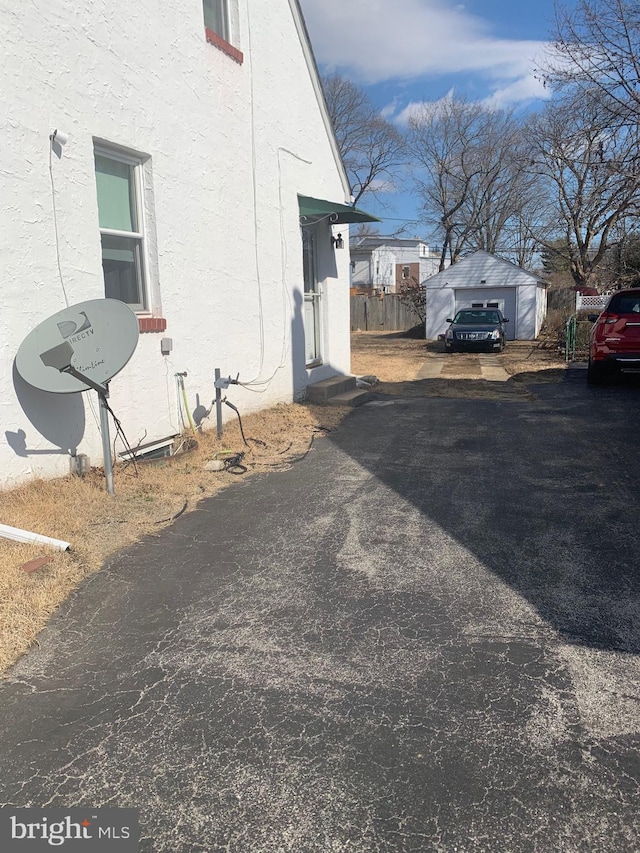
(423, 637)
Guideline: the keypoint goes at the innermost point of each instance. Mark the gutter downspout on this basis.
(25, 536)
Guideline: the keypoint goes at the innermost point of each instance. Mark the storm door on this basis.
(312, 298)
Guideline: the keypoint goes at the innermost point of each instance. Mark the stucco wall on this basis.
(225, 248)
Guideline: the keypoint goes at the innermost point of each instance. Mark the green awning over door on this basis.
(315, 208)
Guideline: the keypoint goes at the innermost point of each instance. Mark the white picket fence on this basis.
(591, 303)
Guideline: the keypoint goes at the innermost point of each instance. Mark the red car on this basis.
(614, 343)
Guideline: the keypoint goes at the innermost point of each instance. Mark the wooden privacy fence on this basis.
(381, 314)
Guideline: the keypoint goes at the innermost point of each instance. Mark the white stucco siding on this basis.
(228, 147)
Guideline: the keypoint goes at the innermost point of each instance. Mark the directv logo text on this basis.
(69, 327)
(29, 829)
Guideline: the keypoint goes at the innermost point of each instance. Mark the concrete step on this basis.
(350, 398)
(321, 392)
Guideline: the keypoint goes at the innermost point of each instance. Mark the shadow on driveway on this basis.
(544, 496)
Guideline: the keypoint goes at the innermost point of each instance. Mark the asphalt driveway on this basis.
(423, 637)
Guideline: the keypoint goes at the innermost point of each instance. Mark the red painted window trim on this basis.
(152, 324)
(223, 45)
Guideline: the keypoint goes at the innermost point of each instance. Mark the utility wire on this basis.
(55, 222)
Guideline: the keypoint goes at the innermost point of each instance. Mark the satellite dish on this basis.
(79, 348)
(95, 338)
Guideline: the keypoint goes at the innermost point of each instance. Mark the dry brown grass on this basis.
(389, 356)
(397, 362)
(79, 511)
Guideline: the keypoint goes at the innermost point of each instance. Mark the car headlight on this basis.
(495, 335)
(448, 335)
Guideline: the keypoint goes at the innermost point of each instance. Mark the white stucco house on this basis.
(482, 280)
(180, 159)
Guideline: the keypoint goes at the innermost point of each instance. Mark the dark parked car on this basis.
(614, 342)
(476, 328)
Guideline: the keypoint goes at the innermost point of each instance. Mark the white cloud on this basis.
(380, 185)
(524, 90)
(518, 93)
(390, 109)
(417, 108)
(381, 40)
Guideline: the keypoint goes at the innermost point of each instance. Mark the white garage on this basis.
(482, 280)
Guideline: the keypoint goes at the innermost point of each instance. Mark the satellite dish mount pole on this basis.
(106, 440)
(103, 393)
(59, 357)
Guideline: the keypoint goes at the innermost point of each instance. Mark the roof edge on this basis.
(307, 50)
(538, 278)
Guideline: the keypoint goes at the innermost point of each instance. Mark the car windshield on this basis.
(477, 317)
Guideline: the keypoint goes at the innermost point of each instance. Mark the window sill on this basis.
(223, 45)
(152, 324)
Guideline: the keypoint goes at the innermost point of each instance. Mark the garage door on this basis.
(503, 298)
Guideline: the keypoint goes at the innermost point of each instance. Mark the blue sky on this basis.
(406, 52)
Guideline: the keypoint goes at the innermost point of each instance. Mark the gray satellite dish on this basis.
(79, 348)
(95, 338)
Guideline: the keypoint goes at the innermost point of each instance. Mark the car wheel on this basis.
(595, 373)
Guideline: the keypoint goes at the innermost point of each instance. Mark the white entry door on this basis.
(312, 300)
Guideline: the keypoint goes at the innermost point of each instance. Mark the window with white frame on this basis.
(119, 188)
(216, 17)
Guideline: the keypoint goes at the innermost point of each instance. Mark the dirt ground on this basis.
(151, 496)
(398, 360)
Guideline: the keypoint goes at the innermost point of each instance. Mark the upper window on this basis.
(216, 17)
(118, 181)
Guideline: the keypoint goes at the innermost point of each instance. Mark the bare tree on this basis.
(594, 172)
(597, 51)
(364, 229)
(520, 243)
(470, 174)
(371, 147)
(621, 265)
(413, 294)
(501, 198)
(441, 141)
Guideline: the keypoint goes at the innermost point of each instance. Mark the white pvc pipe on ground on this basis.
(19, 535)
